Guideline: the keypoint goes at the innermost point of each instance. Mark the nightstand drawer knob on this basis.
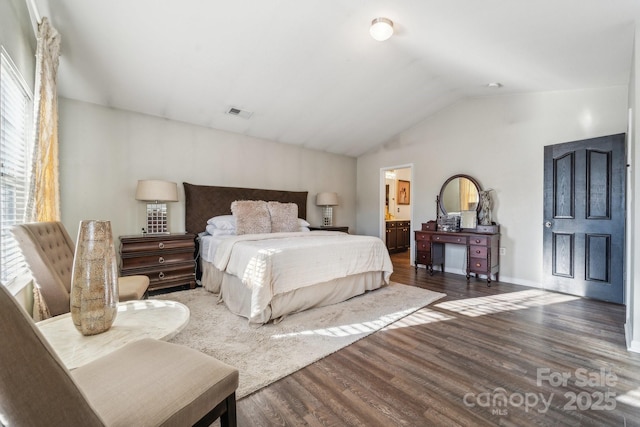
(478, 264)
(161, 245)
(161, 260)
(161, 275)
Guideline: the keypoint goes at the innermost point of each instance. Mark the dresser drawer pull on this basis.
(478, 240)
(161, 260)
(478, 264)
(161, 245)
(161, 275)
(478, 251)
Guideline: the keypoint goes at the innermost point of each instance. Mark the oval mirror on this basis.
(459, 193)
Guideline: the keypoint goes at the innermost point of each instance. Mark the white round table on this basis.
(158, 319)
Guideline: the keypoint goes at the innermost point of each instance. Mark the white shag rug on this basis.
(264, 354)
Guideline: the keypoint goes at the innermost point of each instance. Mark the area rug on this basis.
(264, 354)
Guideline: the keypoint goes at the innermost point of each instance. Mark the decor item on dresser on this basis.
(484, 215)
(267, 276)
(156, 193)
(167, 259)
(327, 201)
(94, 279)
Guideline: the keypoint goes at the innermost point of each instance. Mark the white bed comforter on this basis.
(271, 264)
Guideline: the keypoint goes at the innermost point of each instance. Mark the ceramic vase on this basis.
(94, 279)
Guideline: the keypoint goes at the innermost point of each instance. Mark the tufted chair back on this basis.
(48, 250)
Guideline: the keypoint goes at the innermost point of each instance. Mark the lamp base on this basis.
(327, 216)
(157, 218)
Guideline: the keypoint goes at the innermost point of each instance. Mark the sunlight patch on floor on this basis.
(421, 317)
(631, 398)
(474, 307)
(361, 328)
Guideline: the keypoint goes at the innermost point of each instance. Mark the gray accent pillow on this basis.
(284, 217)
(252, 216)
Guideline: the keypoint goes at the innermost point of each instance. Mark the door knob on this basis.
(547, 224)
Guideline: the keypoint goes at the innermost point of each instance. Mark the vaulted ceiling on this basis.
(311, 74)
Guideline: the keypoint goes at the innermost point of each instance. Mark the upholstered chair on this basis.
(145, 383)
(49, 250)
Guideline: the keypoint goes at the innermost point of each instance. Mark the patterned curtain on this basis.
(43, 200)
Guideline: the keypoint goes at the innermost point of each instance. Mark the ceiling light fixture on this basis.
(494, 85)
(381, 29)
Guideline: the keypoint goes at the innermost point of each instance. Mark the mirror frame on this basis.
(441, 203)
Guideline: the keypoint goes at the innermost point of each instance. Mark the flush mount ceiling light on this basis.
(381, 29)
(494, 85)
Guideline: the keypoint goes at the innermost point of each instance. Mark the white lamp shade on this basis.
(327, 199)
(381, 29)
(157, 190)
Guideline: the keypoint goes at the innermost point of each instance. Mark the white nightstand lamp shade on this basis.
(327, 200)
(156, 192)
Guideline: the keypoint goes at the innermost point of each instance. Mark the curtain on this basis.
(43, 199)
(43, 202)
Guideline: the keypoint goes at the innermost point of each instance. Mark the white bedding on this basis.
(280, 263)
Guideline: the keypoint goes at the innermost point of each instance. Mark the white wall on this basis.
(104, 152)
(499, 141)
(632, 325)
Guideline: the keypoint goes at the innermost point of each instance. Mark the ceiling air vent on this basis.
(233, 111)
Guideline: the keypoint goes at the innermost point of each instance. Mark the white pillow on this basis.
(303, 229)
(303, 223)
(223, 222)
(213, 231)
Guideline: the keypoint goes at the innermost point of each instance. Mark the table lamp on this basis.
(327, 201)
(156, 193)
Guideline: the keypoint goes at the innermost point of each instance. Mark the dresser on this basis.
(398, 235)
(167, 259)
(482, 250)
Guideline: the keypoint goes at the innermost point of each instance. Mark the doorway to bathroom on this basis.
(396, 210)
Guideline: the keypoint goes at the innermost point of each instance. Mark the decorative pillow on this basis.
(252, 216)
(303, 223)
(284, 217)
(304, 229)
(223, 222)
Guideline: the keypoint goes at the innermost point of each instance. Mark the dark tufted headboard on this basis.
(205, 201)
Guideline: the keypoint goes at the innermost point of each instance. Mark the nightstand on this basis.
(167, 259)
(330, 228)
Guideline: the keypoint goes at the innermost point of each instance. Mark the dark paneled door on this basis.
(584, 217)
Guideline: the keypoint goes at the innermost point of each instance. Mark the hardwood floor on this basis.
(500, 355)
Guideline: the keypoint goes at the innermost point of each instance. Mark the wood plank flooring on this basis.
(501, 355)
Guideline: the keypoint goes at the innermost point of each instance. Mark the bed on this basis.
(266, 276)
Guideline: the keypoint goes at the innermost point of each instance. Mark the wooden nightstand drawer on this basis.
(146, 244)
(153, 260)
(168, 260)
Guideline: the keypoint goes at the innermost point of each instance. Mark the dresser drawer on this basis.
(154, 260)
(461, 240)
(422, 236)
(423, 245)
(477, 265)
(478, 251)
(423, 257)
(155, 245)
(479, 240)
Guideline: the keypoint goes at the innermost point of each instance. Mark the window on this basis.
(15, 127)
